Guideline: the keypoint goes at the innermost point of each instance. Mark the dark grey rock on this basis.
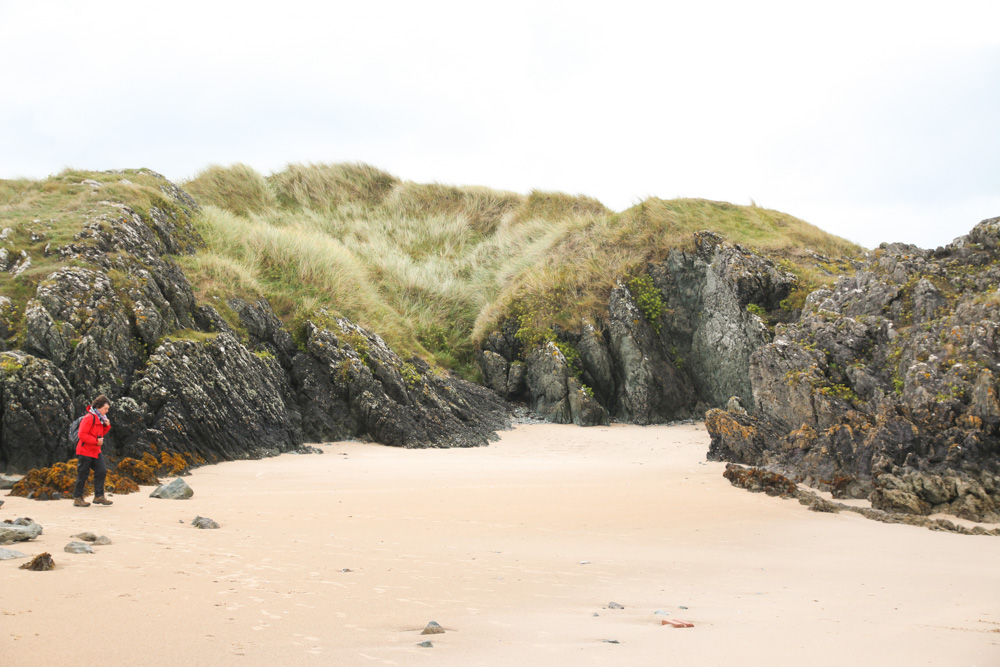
(204, 523)
(37, 412)
(495, 371)
(86, 536)
(175, 490)
(517, 379)
(351, 384)
(244, 411)
(426, 644)
(598, 366)
(614, 605)
(547, 373)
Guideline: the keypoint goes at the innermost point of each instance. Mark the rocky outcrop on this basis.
(116, 315)
(36, 398)
(349, 384)
(757, 480)
(672, 344)
(557, 395)
(887, 387)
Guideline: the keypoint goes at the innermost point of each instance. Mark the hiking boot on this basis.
(80, 502)
(101, 500)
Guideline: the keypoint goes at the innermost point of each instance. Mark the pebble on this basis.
(432, 628)
(614, 605)
(611, 641)
(204, 523)
(426, 644)
(86, 537)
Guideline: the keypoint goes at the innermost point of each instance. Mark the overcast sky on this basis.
(877, 121)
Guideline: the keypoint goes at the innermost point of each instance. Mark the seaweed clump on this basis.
(40, 563)
(125, 476)
(757, 480)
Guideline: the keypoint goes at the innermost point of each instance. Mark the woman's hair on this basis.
(100, 402)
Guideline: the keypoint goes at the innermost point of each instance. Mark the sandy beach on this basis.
(515, 549)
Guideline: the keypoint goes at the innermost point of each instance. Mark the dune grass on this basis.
(433, 268)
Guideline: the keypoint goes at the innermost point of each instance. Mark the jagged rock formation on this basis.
(651, 365)
(887, 387)
(116, 315)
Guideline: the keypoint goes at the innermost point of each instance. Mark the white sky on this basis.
(877, 121)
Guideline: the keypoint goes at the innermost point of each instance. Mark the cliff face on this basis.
(887, 387)
(111, 312)
(672, 345)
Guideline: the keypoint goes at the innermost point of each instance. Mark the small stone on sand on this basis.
(432, 628)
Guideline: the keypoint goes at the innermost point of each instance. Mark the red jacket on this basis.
(91, 429)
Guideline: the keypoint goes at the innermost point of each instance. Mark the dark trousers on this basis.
(83, 467)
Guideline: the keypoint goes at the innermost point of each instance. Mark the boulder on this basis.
(10, 532)
(175, 490)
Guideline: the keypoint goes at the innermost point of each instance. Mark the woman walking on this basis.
(93, 427)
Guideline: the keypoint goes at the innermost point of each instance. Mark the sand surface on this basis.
(516, 549)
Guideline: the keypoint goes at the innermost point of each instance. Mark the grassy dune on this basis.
(433, 268)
